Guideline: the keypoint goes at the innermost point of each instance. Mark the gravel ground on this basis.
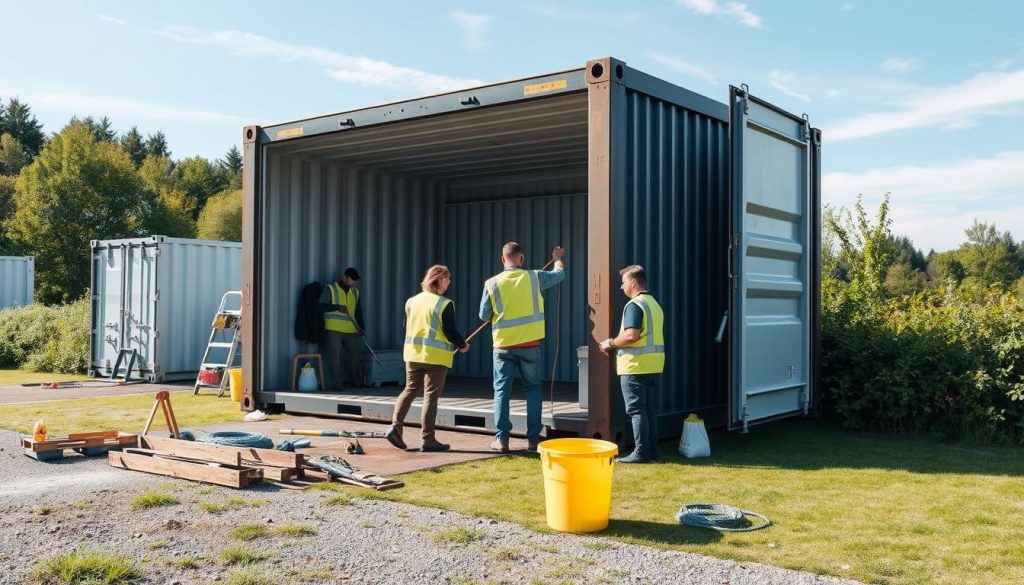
(51, 509)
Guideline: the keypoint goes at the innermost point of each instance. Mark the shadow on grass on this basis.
(805, 444)
(658, 532)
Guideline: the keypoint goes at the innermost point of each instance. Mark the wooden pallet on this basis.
(89, 444)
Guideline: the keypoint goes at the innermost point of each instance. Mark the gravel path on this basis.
(50, 509)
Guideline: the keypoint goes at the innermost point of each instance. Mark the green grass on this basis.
(187, 562)
(232, 504)
(80, 505)
(338, 500)
(15, 376)
(249, 532)
(458, 535)
(239, 555)
(159, 544)
(881, 510)
(248, 577)
(128, 413)
(152, 499)
(82, 567)
(294, 529)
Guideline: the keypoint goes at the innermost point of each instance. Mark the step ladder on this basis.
(225, 334)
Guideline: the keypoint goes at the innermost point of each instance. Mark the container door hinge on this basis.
(156, 252)
(156, 296)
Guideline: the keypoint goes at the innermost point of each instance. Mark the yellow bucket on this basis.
(235, 382)
(577, 483)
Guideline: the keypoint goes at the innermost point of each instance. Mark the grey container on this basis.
(720, 201)
(17, 280)
(158, 295)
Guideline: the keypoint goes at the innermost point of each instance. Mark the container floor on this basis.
(466, 404)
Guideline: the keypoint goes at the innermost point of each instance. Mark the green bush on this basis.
(46, 339)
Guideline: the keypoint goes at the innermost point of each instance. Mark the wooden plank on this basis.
(261, 456)
(93, 435)
(278, 474)
(232, 478)
(191, 450)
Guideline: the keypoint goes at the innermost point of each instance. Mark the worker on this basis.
(343, 328)
(639, 361)
(431, 338)
(513, 304)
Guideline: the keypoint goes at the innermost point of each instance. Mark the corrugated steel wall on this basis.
(17, 280)
(677, 228)
(321, 218)
(474, 234)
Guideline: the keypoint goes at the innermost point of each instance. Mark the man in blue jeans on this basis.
(513, 304)
(640, 361)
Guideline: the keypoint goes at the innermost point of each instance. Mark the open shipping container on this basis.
(720, 202)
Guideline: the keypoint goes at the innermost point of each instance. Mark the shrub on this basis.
(46, 339)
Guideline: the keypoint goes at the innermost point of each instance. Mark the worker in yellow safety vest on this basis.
(512, 302)
(343, 328)
(639, 361)
(431, 338)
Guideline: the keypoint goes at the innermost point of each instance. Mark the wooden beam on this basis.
(233, 478)
(247, 454)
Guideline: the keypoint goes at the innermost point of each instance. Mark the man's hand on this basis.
(360, 331)
(557, 253)
(343, 309)
(465, 348)
(606, 346)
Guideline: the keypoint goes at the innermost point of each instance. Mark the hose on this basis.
(238, 439)
(720, 517)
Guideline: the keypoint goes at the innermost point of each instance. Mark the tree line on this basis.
(88, 182)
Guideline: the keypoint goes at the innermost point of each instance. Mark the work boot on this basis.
(499, 445)
(531, 445)
(395, 438)
(434, 445)
(632, 458)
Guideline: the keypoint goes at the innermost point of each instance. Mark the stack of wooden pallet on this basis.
(89, 444)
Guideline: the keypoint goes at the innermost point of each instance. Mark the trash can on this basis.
(582, 354)
(577, 483)
(235, 383)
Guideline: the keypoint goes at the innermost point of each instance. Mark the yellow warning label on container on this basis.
(545, 87)
(289, 132)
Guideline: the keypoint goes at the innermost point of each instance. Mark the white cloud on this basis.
(898, 65)
(833, 93)
(683, 67)
(85, 104)
(781, 80)
(358, 70)
(955, 105)
(848, 6)
(111, 19)
(933, 204)
(736, 11)
(473, 26)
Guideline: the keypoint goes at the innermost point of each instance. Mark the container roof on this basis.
(536, 136)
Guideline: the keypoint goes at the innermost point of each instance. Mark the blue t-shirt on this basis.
(633, 317)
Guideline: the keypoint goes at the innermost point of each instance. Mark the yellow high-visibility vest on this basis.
(336, 320)
(646, 355)
(425, 341)
(517, 307)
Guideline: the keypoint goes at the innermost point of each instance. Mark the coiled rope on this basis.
(238, 439)
(720, 517)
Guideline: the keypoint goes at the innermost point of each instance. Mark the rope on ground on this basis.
(720, 517)
(238, 439)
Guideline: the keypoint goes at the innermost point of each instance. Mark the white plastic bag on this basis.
(694, 442)
(307, 379)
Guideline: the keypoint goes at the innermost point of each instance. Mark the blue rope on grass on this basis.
(238, 439)
(720, 517)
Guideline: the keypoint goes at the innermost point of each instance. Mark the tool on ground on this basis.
(354, 448)
(486, 323)
(336, 433)
(163, 401)
(720, 517)
(291, 446)
(373, 353)
(344, 471)
(225, 334)
(55, 385)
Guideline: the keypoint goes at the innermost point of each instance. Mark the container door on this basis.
(140, 299)
(771, 261)
(108, 319)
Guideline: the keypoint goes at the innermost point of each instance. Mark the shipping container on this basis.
(17, 280)
(719, 201)
(158, 295)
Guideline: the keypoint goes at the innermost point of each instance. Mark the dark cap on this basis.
(352, 273)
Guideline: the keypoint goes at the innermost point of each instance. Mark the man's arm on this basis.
(552, 277)
(485, 306)
(632, 326)
(451, 328)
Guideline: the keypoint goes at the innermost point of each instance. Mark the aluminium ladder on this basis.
(225, 334)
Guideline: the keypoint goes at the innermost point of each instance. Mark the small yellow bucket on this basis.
(577, 483)
(235, 383)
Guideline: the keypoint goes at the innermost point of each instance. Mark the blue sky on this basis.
(921, 99)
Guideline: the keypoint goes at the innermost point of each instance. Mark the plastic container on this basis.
(577, 483)
(235, 383)
(39, 431)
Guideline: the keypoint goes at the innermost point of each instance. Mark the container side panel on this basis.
(676, 226)
(107, 337)
(139, 305)
(474, 234)
(17, 280)
(321, 218)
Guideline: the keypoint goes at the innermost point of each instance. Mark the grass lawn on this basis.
(879, 510)
(27, 377)
(127, 413)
